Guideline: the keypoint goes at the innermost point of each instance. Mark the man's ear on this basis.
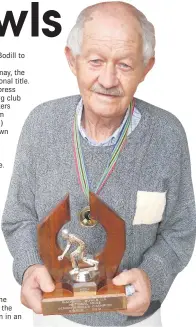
(148, 67)
(71, 60)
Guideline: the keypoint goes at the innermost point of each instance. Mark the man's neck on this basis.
(100, 128)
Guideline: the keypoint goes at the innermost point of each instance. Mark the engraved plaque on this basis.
(86, 304)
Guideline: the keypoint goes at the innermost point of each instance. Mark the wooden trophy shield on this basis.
(83, 296)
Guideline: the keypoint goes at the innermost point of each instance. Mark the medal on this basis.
(85, 218)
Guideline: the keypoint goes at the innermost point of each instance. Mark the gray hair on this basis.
(74, 40)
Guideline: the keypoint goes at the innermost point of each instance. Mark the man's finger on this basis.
(44, 280)
(136, 302)
(125, 278)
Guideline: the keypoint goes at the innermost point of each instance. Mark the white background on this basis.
(170, 85)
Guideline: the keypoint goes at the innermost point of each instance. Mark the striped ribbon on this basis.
(79, 160)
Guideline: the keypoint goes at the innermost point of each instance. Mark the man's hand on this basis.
(138, 303)
(36, 279)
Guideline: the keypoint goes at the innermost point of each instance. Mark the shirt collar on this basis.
(109, 141)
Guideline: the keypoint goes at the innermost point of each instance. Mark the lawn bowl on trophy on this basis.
(82, 284)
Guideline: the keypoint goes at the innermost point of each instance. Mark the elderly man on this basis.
(134, 156)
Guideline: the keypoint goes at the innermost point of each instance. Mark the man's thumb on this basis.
(124, 278)
(45, 280)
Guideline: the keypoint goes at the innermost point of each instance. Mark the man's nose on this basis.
(108, 76)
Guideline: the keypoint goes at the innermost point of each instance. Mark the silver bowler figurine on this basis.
(78, 254)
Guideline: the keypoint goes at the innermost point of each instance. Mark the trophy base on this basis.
(62, 302)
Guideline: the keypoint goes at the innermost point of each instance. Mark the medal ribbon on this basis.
(80, 166)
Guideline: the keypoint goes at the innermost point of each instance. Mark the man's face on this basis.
(110, 65)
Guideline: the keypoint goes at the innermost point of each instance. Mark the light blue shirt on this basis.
(114, 137)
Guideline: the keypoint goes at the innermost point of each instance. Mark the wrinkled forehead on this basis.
(110, 32)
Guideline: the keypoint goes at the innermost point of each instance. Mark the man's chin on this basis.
(104, 111)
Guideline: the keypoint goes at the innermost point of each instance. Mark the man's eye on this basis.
(125, 66)
(95, 62)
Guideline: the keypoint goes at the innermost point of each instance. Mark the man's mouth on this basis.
(107, 95)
